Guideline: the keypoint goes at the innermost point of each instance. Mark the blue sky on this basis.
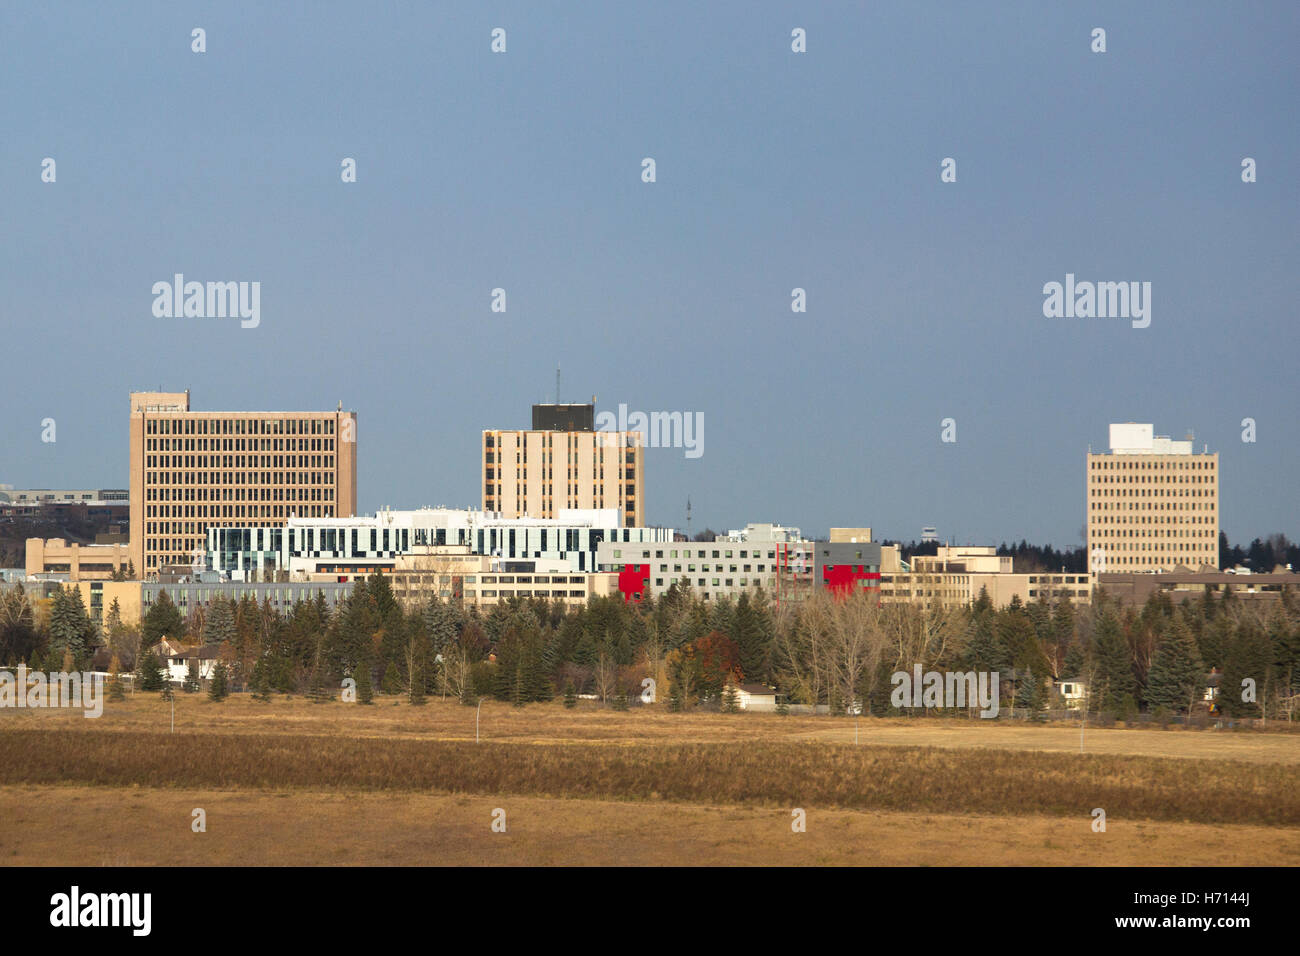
(775, 170)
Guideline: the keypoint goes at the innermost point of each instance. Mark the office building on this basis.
(1152, 504)
(194, 470)
(563, 464)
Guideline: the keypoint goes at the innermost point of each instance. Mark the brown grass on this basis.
(773, 774)
(143, 827)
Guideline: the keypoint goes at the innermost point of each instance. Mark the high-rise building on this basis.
(191, 470)
(1153, 505)
(564, 465)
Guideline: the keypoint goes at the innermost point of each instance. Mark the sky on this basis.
(774, 170)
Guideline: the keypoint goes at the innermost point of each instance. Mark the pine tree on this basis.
(365, 691)
(570, 696)
(115, 690)
(150, 672)
(218, 687)
(1176, 679)
(730, 700)
(219, 624)
(1249, 657)
(1030, 695)
(261, 681)
(1114, 661)
(191, 683)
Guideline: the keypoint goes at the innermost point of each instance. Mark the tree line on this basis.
(835, 651)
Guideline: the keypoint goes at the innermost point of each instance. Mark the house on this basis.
(1074, 691)
(205, 656)
(756, 697)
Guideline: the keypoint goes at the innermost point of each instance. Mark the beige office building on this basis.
(452, 573)
(563, 463)
(190, 470)
(80, 562)
(1153, 505)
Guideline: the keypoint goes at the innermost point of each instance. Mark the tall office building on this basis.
(1152, 504)
(191, 470)
(563, 463)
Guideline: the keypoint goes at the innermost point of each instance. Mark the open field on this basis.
(145, 827)
(293, 782)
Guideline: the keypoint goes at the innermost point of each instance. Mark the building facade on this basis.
(194, 470)
(1152, 504)
(712, 569)
(345, 547)
(76, 562)
(541, 471)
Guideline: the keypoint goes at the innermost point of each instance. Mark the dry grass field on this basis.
(293, 782)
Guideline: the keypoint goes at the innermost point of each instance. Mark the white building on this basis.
(361, 545)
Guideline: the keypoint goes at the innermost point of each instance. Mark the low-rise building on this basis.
(76, 562)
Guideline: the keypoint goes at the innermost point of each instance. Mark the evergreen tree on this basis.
(150, 675)
(1074, 664)
(261, 681)
(1114, 665)
(1030, 696)
(1249, 657)
(115, 691)
(162, 620)
(1177, 677)
(219, 624)
(70, 626)
(218, 687)
(191, 683)
(730, 700)
(365, 692)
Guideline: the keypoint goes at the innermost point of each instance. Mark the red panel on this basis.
(632, 581)
(842, 578)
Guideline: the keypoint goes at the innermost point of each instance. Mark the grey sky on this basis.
(775, 170)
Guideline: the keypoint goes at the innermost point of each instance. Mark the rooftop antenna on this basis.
(688, 517)
(557, 383)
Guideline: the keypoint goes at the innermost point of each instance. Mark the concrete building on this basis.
(452, 573)
(1152, 504)
(713, 570)
(76, 562)
(194, 470)
(955, 576)
(49, 496)
(309, 548)
(547, 469)
(1137, 588)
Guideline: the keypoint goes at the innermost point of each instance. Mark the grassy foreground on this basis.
(294, 782)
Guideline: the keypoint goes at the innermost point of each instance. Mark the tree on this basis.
(1176, 679)
(1114, 664)
(115, 691)
(261, 682)
(365, 691)
(730, 700)
(163, 619)
(1031, 695)
(150, 672)
(191, 683)
(219, 623)
(217, 687)
(570, 696)
(70, 626)
(18, 635)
